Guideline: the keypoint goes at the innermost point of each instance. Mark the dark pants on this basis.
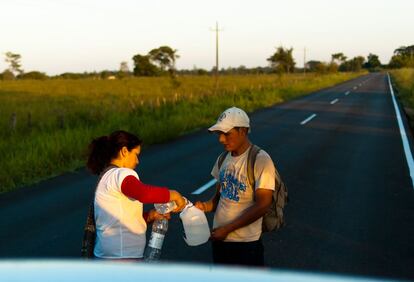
(238, 253)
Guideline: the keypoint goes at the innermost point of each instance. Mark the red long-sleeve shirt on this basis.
(132, 187)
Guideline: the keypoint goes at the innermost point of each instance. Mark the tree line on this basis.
(161, 61)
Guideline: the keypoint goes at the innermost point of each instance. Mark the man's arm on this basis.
(263, 200)
(211, 204)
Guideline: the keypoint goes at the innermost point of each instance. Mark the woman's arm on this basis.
(132, 187)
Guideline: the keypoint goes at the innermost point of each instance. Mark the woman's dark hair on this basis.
(105, 148)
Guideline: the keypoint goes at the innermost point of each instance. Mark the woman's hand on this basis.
(154, 215)
(179, 200)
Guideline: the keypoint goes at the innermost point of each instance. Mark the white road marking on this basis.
(404, 139)
(334, 101)
(308, 119)
(205, 187)
(347, 93)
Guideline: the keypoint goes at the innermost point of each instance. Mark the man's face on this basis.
(233, 139)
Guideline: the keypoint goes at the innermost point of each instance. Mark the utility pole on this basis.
(304, 60)
(217, 49)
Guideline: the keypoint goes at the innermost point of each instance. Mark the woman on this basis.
(120, 195)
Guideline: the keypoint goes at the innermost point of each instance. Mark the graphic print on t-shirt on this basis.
(230, 184)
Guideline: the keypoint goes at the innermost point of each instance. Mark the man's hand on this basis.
(219, 234)
(251, 214)
(201, 205)
(154, 215)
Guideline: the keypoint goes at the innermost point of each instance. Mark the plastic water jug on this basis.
(195, 225)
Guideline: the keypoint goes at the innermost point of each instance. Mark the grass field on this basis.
(404, 82)
(45, 126)
(404, 79)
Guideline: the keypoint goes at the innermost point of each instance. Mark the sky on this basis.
(57, 36)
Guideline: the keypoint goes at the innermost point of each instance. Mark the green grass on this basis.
(56, 119)
(404, 80)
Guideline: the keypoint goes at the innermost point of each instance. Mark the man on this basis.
(239, 208)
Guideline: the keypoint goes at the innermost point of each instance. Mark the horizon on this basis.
(87, 36)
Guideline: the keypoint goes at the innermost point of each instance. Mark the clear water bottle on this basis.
(153, 250)
(165, 208)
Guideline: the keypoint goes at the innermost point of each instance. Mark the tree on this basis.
(14, 62)
(7, 75)
(338, 58)
(123, 70)
(241, 70)
(164, 57)
(404, 51)
(397, 62)
(332, 67)
(143, 66)
(71, 75)
(355, 64)
(403, 57)
(107, 74)
(318, 66)
(33, 75)
(124, 67)
(282, 60)
(373, 62)
(202, 71)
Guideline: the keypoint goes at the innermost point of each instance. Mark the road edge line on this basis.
(404, 139)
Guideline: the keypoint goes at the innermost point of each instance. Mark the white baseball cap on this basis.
(230, 118)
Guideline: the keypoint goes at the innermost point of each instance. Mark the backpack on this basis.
(273, 219)
(89, 234)
(89, 230)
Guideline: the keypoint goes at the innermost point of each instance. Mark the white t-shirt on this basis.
(236, 195)
(120, 226)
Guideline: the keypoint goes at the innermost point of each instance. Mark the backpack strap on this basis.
(89, 235)
(221, 158)
(111, 166)
(251, 159)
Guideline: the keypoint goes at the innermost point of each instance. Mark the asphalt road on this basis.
(339, 150)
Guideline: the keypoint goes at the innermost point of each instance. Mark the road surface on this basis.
(340, 152)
